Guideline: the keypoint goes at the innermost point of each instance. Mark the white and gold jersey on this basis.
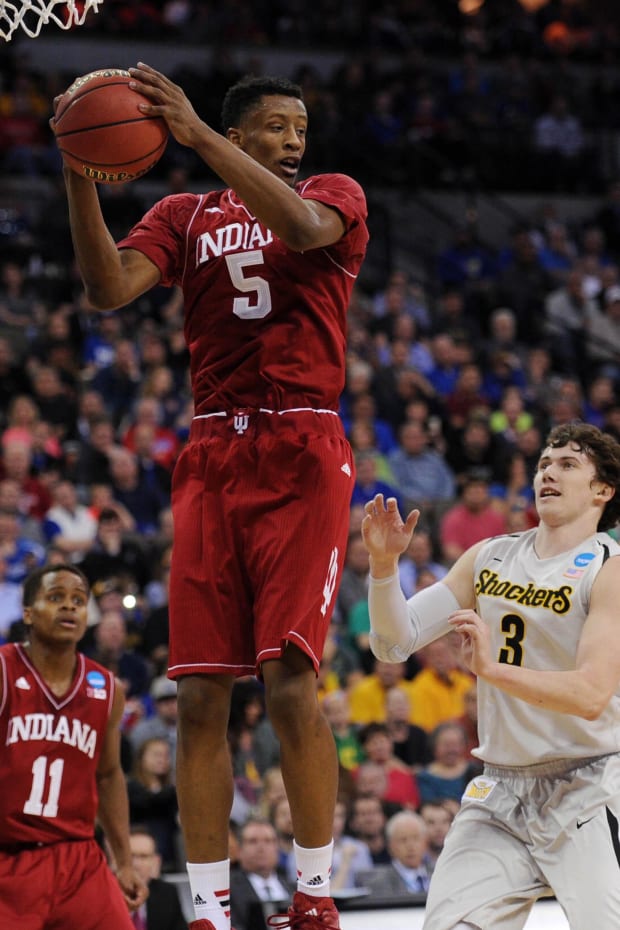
(536, 609)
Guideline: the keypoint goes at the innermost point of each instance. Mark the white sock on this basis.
(314, 869)
(210, 886)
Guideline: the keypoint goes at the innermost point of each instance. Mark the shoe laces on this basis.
(297, 921)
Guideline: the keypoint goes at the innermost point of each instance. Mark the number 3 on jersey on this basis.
(513, 628)
(34, 805)
(249, 284)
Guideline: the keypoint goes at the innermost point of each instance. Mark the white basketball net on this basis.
(31, 15)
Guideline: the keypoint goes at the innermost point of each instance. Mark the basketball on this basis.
(102, 134)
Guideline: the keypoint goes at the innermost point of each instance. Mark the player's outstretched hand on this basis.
(168, 100)
(134, 890)
(385, 534)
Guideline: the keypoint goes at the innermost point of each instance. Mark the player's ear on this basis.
(26, 615)
(235, 136)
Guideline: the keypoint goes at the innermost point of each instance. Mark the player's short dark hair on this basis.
(246, 93)
(604, 452)
(33, 581)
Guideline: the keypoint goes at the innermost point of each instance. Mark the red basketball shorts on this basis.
(60, 886)
(261, 506)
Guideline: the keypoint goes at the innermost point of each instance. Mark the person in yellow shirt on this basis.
(438, 690)
(367, 696)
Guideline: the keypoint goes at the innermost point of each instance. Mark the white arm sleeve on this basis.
(399, 627)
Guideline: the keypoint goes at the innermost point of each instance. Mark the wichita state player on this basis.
(538, 613)
(59, 770)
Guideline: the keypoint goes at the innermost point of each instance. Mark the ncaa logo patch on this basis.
(583, 559)
(96, 680)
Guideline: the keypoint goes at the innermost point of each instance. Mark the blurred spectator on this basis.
(335, 706)
(474, 446)
(409, 870)
(162, 723)
(13, 378)
(409, 742)
(602, 336)
(351, 855)
(20, 307)
(280, 817)
(118, 383)
(510, 418)
(417, 557)
(165, 445)
(258, 888)
(420, 472)
(560, 147)
(110, 650)
(12, 499)
(114, 555)
(20, 555)
(10, 601)
(523, 284)
(367, 481)
(367, 697)
(153, 798)
(162, 909)
(445, 371)
(401, 785)
(471, 519)
(69, 525)
(142, 501)
(438, 820)
(515, 492)
(451, 766)
(367, 823)
(93, 459)
(16, 465)
(465, 263)
(467, 399)
(503, 338)
(438, 690)
(600, 396)
(567, 314)
(363, 409)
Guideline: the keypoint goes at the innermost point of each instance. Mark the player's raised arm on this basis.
(265, 188)
(111, 278)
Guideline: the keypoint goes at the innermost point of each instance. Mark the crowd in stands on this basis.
(472, 94)
(450, 391)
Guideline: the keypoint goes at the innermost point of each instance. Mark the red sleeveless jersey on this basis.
(265, 325)
(50, 750)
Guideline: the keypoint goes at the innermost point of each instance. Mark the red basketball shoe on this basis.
(201, 925)
(308, 913)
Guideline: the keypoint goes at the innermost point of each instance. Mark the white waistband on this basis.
(224, 413)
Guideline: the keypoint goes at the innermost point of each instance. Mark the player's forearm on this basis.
(564, 692)
(98, 258)
(295, 221)
(113, 815)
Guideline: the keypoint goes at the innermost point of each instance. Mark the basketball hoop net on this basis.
(31, 15)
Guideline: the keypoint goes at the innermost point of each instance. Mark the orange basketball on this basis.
(101, 132)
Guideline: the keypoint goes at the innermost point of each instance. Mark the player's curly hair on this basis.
(604, 452)
(33, 581)
(245, 94)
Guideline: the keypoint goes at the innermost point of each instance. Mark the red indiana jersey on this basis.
(51, 748)
(265, 326)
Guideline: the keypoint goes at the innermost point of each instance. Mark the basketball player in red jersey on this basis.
(60, 770)
(261, 492)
